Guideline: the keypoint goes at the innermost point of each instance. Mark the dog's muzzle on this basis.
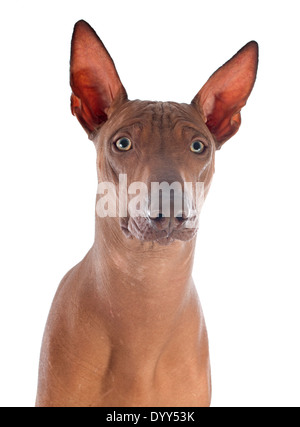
(164, 217)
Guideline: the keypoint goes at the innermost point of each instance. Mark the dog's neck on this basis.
(147, 268)
(141, 283)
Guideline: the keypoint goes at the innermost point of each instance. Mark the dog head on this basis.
(155, 160)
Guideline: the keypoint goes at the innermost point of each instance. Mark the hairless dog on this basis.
(126, 327)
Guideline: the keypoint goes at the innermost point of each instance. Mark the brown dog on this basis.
(126, 326)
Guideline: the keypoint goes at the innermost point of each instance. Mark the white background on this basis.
(247, 260)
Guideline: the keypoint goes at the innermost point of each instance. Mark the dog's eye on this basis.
(123, 144)
(197, 147)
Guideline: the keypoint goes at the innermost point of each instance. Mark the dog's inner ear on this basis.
(226, 92)
(93, 77)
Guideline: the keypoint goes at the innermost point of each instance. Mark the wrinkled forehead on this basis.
(155, 117)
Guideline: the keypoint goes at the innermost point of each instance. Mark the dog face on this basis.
(164, 149)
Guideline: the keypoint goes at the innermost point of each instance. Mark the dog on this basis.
(126, 327)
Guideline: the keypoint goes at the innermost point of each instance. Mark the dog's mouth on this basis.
(144, 230)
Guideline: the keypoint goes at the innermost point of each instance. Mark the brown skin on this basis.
(126, 326)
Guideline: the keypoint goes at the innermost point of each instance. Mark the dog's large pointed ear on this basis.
(226, 92)
(93, 78)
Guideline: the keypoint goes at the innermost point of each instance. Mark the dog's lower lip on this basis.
(131, 229)
(165, 240)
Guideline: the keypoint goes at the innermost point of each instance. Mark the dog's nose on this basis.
(168, 203)
(162, 222)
